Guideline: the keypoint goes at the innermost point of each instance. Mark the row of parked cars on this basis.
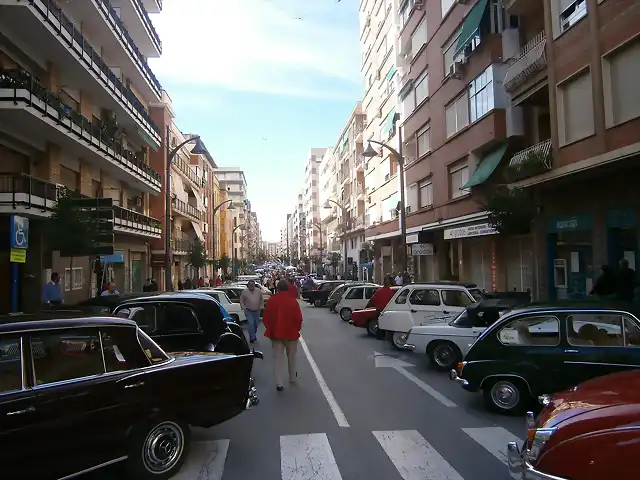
(118, 379)
(577, 363)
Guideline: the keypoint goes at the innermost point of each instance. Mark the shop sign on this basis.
(573, 223)
(18, 255)
(477, 230)
(412, 238)
(117, 257)
(420, 249)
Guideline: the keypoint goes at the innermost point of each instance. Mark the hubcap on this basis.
(399, 338)
(345, 313)
(163, 447)
(505, 395)
(373, 326)
(444, 355)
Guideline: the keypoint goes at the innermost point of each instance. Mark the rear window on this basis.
(143, 315)
(151, 349)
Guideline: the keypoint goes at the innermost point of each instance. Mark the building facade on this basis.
(312, 206)
(235, 183)
(77, 88)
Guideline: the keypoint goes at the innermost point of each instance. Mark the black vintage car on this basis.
(79, 394)
(546, 349)
(104, 304)
(319, 296)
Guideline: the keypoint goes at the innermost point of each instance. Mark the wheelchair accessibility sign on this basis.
(19, 232)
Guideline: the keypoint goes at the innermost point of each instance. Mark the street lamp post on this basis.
(171, 154)
(213, 227)
(313, 224)
(233, 249)
(345, 224)
(370, 152)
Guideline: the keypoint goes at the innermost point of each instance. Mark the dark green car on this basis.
(538, 350)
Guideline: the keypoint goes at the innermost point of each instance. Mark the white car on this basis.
(355, 298)
(235, 311)
(425, 303)
(266, 293)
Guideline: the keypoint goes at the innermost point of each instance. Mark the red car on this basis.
(367, 318)
(588, 432)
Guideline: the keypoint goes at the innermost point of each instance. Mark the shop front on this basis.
(622, 236)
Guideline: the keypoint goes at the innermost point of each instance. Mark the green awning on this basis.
(391, 73)
(389, 121)
(471, 24)
(147, 139)
(487, 166)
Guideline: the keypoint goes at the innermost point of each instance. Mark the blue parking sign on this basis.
(19, 229)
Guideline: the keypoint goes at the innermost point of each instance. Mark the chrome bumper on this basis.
(408, 346)
(252, 396)
(521, 469)
(453, 375)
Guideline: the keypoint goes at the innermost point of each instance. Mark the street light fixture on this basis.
(371, 152)
(233, 249)
(198, 149)
(345, 222)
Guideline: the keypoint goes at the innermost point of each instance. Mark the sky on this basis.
(262, 82)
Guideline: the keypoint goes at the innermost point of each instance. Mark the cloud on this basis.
(261, 46)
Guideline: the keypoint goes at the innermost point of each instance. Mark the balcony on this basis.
(179, 244)
(186, 209)
(152, 6)
(141, 27)
(54, 35)
(187, 171)
(531, 60)
(134, 223)
(359, 190)
(529, 162)
(26, 106)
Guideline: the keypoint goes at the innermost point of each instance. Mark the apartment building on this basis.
(271, 249)
(299, 231)
(235, 182)
(312, 205)
(328, 190)
(224, 242)
(253, 236)
(379, 23)
(75, 89)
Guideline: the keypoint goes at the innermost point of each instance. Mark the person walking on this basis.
(283, 322)
(52, 291)
(293, 289)
(251, 303)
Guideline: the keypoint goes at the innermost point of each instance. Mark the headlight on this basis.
(542, 435)
(544, 400)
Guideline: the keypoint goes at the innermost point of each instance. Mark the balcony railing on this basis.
(22, 190)
(186, 209)
(187, 170)
(93, 60)
(147, 21)
(123, 33)
(359, 189)
(359, 128)
(529, 162)
(28, 89)
(531, 59)
(179, 244)
(140, 221)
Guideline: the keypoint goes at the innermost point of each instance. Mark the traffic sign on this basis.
(19, 229)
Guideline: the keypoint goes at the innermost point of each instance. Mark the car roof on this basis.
(179, 295)
(443, 283)
(577, 306)
(13, 323)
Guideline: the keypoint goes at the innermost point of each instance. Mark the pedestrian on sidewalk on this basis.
(251, 303)
(283, 321)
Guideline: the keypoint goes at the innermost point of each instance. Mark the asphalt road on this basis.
(359, 411)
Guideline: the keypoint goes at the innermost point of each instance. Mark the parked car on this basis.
(234, 290)
(424, 303)
(319, 296)
(587, 432)
(104, 305)
(235, 311)
(78, 394)
(368, 318)
(539, 350)
(447, 341)
(355, 298)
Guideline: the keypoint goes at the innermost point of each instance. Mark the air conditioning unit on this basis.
(419, 4)
(378, 75)
(380, 112)
(367, 22)
(455, 71)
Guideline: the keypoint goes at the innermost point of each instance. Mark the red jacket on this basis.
(282, 317)
(293, 290)
(381, 297)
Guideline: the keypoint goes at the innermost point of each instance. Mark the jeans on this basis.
(253, 320)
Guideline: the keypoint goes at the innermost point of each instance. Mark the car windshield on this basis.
(477, 294)
(151, 349)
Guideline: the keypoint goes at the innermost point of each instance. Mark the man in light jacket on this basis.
(251, 303)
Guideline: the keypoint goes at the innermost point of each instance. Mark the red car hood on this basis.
(615, 389)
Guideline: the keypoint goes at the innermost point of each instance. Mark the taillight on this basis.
(459, 367)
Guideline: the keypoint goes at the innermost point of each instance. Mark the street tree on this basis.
(197, 255)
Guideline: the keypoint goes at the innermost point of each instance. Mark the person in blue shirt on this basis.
(52, 291)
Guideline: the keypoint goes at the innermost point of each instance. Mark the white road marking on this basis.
(426, 387)
(413, 457)
(494, 440)
(309, 456)
(205, 461)
(331, 400)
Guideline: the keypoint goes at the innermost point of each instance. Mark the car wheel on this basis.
(509, 396)
(345, 314)
(158, 449)
(372, 327)
(317, 302)
(398, 340)
(235, 318)
(444, 355)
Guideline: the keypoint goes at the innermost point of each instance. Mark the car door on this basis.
(425, 305)
(19, 416)
(368, 293)
(180, 329)
(145, 314)
(353, 298)
(454, 301)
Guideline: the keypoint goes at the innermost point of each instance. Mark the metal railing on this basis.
(531, 59)
(147, 21)
(179, 244)
(359, 189)
(186, 209)
(126, 215)
(20, 184)
(541, 150)
(94, 61)
(181, 165)
(99, 134)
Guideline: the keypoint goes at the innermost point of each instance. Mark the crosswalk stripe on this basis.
(493, 439)
(205, 461)
(414, 457)
(307, 456)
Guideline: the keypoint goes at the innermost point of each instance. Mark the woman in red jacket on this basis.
(283, 321)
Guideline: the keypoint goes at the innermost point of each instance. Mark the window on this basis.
(151, 349)
(385, 170)
(422, 88)
(631, 333)
(143, 315)
(455, 298)
(408, 104)
(446, 6)
(179, 318)
(401, 299)
(534, 331)
(459, 176)
(419, 37)
(621, 69)
(593, 330)
(457, 114)
(481, 99)
(10, 364)
(369, 291)
(405, 12)
(425, 193)
(390, 207)
(423, 142)
(66, 355)
(570, 12)
(425, 297)
(449, 51)
(120, 353)
(355, 294)
(575, 109)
